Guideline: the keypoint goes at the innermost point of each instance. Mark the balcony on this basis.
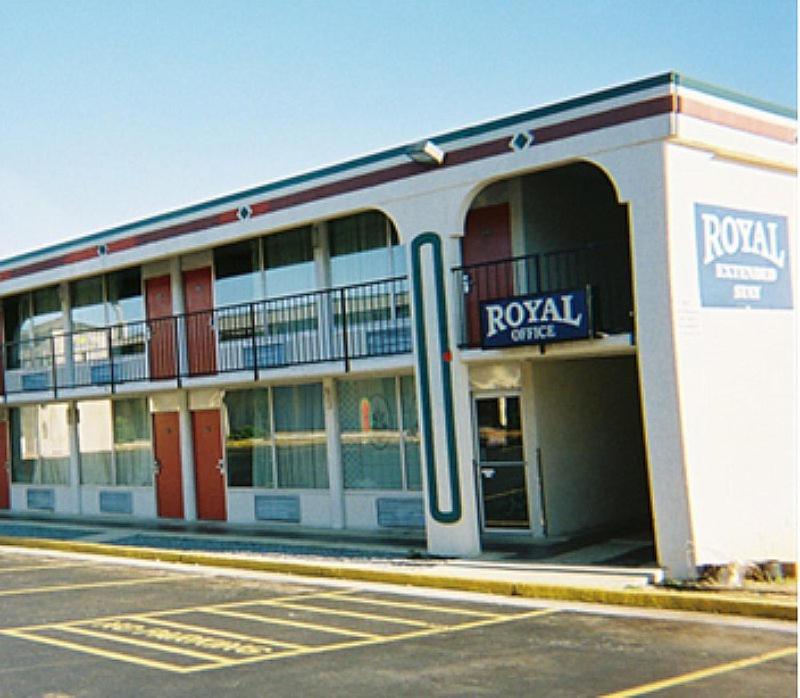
(602, 267)
(331, 325)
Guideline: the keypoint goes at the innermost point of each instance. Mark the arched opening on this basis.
(569, 459)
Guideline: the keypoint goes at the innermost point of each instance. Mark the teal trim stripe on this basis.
(425, 392)
(663, 80)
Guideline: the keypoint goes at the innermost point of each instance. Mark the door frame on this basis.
(476, 395)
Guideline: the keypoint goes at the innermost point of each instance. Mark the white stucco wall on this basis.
(590, 435)
(735, 372)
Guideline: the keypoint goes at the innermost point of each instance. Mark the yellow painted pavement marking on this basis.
(107, 654)
(455, 610)
(386, 639)
(311, 608)
(165, 648)
(693, 676)
(220, 633)
(93, 585)
(291, 623)
(33, 568)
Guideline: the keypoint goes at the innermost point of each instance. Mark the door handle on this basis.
(221, 465)
(156, 467)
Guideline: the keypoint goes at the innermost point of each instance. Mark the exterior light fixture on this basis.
(426, 153)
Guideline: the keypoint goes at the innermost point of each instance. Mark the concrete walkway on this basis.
(565, 570)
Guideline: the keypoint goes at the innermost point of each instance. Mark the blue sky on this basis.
(113, 110)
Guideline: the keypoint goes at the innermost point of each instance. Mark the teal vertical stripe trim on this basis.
(454, 515)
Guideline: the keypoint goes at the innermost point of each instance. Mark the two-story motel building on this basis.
(578, 318)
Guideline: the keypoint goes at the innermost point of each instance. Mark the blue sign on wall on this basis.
(535, 319)
(742, 258)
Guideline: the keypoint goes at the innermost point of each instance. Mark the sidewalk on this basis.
(564, 571)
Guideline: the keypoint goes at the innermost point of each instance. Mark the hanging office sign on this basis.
(535, 319)
(742, 258)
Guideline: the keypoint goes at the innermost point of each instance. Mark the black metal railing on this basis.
(605, 267)
(338, 324)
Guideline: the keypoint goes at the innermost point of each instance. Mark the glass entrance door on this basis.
(501, 464)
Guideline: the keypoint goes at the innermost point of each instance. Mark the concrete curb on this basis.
(694, 601)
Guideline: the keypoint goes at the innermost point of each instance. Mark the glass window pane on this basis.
(236, 273)
(499, 430)
(359, 248)
(47, 318)
(95, 442)
(411, 442)
(289, 262)
(301, 446)
(125, 298)
(53, 440)
(248, 443)
(24, 449)
(132, 449)
(369, 433)
(18, 328)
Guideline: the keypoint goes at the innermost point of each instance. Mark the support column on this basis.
(178, 309)
(74, 456)
(530, 440)
(335, 469)
(187, 457)
(444, 401)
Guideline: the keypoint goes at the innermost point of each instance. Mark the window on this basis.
(300, 442)
(362, 249)
(379, 434)
(276, 437)
(40, 444)
(248, 442)
(114, 442)
(30, 320)
(236, 273)
(111, 300)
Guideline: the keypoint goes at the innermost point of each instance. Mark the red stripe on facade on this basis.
(749, 124)
(546, 134)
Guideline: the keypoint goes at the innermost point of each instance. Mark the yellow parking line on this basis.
(703, 673)
(386, 639)
(165, 648)
(92, 585)
(241, 604)
(32, 568)
(108, 654)
(311, 608)
(292, 623)
(215, 631)
(455, 610)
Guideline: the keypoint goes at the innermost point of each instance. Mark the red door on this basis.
(487, 238)
(200, 340)
(208, 476)
(158, 292)
(167, 446)
(5, 495)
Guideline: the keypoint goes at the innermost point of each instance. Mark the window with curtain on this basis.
(40, 444)
(18, 319)
(411, 440)
(289, 262)
(276, 437)
(361, 248)
(133, 452)
(95, 442)
(300, 442)
(115, 443)
(248, 441)
(370, 434)
(237, 272)
(125, 297)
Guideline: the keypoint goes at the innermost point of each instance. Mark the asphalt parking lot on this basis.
(78, 627)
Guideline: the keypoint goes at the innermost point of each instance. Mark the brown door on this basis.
(158, 292)
(169, 484)
(487, 238)
(208, 476)
(200, 340)
(5, 495)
